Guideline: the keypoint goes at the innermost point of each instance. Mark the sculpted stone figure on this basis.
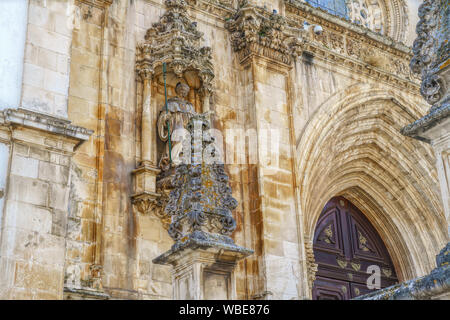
(180, 111)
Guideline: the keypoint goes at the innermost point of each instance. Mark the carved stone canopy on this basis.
(176, 41)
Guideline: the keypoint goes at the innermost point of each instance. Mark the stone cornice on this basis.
(218, 8)
(97, 3)
(35, 120)
(430, 286)
(255, 31)
(416, 129)
(323, 18)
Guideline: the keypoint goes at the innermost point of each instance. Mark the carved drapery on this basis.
(175, 40)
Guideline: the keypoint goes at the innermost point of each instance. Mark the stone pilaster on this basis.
(36, 203)
(266, 48)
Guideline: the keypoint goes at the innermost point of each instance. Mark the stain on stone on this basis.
(308, 58)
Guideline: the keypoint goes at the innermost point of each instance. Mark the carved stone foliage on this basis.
(176, 41)
(432, 51)
(200, 203)
(310, 263)
(153, 204)
(255, 31)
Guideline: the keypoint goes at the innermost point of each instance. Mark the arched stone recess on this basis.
(352, 147)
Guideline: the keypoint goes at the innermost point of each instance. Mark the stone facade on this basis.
(82, 193)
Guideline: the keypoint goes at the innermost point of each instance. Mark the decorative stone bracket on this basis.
(255, 31)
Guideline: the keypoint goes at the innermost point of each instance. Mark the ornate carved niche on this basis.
(176, 42)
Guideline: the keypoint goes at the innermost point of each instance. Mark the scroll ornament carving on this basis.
(201, 202)
(148, 204)
(431, 51)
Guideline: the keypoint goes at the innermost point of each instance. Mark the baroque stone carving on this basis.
(200, 203)
(431, 50)
(431, 61)
(256, 31)
(310, 263)
(173, 40)
(176, 41)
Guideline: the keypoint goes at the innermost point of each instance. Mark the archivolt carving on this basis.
(310, 262)
(373, 179)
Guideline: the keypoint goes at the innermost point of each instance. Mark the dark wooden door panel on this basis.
(345, 245)
(331, 289)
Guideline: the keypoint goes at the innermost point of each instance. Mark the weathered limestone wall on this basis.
(33, 228)
(272, 215)
(70, 223)
(47, 53)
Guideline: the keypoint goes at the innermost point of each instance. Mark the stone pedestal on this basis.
(203, 269)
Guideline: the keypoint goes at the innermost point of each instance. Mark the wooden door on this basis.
(345, 245)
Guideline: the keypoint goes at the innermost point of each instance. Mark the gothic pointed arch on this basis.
(352, 147)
